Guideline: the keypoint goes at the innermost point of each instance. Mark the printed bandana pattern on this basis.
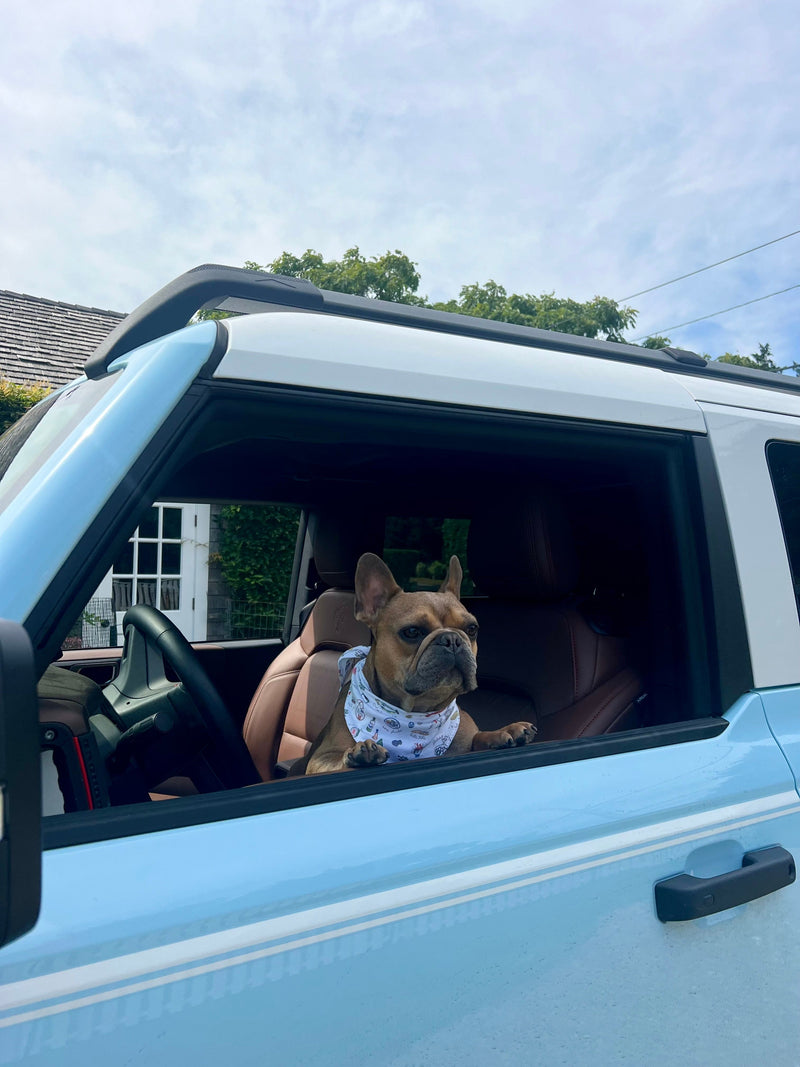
(406, 735)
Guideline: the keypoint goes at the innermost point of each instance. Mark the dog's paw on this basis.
(366, 754)
(518, 733)
(521, 733)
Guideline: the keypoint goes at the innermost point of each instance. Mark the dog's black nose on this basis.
(450, 639)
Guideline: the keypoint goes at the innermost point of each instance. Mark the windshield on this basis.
(25, 446)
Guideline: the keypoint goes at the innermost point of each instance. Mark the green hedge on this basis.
(256, 550)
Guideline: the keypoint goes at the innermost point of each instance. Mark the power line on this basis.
(700, 271)
(667, 329)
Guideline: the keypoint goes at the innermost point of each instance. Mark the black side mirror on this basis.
(20, 786)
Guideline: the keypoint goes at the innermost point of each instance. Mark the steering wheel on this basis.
(153, 643)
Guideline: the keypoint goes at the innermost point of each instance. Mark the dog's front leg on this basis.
(518, 733)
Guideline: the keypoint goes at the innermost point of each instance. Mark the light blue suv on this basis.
(621, 891)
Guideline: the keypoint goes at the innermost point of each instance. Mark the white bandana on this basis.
(405, 735)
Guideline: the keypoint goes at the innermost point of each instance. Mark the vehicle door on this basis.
(518, 924)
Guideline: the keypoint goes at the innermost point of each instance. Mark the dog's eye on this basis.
(411, 633)
(472, 630)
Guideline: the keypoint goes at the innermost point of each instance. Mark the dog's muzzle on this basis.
(444, 652)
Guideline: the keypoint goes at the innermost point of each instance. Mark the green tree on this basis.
(392, 276)
(761, 360)
(655, 341)
(598, 317)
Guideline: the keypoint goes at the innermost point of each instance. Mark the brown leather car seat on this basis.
(298, 691)
(538, 651)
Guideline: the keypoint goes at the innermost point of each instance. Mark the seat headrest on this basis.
(333, 625)
(340, 537)
(523, 549)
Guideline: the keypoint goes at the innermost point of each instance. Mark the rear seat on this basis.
(538, 654)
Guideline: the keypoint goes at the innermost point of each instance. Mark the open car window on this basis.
(580, 565)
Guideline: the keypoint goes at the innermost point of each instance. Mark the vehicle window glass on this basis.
(219, 572)
(783, 458)
(28, 443)
(417, 550)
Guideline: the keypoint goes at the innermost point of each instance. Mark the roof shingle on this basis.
(47, 341)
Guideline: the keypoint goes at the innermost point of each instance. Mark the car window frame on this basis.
(689, 488)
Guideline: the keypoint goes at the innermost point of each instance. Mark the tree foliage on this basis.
(655, 341)
(16, 399)
(761, 360)
(599, 317)
(391, 276)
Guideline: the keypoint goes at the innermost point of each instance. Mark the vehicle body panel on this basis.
(466, 920)
(741, 395)
(782, 708)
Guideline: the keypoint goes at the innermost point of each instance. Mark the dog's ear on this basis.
(375, 587)
(452, 583)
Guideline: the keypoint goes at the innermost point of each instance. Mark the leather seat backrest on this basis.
(537, 651)
(298, 691)
(297, 694)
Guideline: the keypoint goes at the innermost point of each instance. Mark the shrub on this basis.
(16, 399)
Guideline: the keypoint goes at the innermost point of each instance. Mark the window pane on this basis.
(124, 561)
(784, 466)
(121, 592)
(418, 551)
(170, 594)
(171, 559)
(146, 592)
(148, 527)
(172, 522)
(148, 558)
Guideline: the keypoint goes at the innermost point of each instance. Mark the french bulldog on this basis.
(398, 698)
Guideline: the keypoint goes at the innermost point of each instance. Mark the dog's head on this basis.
(424, 644)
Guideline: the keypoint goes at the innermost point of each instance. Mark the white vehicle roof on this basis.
(374, 358)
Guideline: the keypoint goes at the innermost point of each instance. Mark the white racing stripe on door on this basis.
(313, 926)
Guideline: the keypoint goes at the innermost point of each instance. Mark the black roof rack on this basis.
(239, 290)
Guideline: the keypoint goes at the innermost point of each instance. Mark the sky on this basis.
(569, 147)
